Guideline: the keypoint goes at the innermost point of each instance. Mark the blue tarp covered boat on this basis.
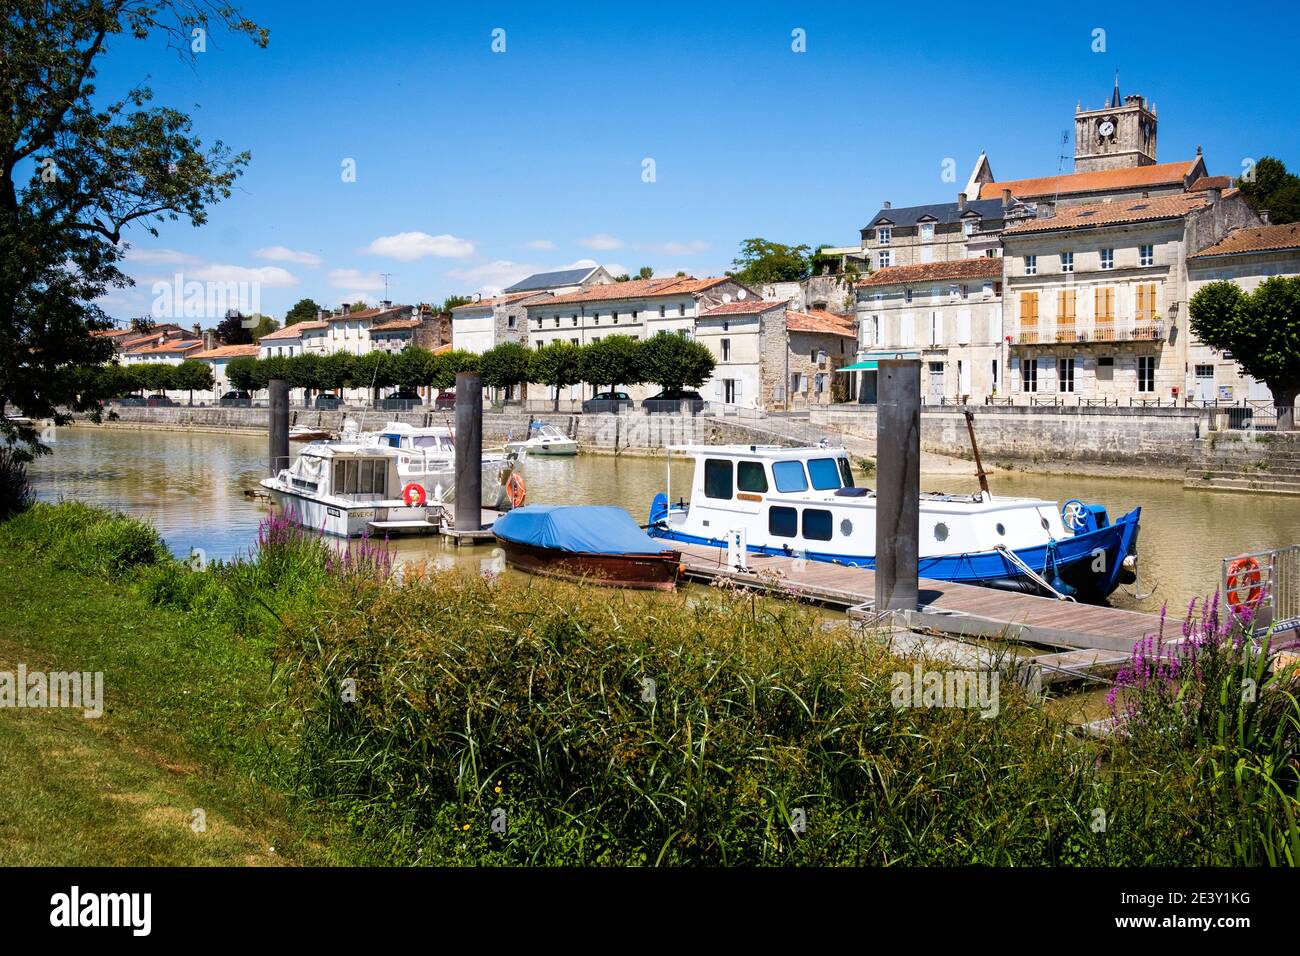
(598, 543)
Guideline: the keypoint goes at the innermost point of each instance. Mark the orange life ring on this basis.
(1243, 575)
(414, 490)
(515, 489)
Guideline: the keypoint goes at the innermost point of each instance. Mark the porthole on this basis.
(941, 532)
(846, 527)
(1002, 530)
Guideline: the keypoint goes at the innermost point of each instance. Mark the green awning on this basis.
(860, 367)
(872, 364)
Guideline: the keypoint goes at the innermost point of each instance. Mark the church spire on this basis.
(1115, 101)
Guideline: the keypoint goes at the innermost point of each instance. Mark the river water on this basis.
(192, 487)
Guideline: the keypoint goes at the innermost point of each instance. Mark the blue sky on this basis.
(474, 167)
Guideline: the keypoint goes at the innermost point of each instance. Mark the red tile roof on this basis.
(981, 268)
(1210, 182)
(1113, 213)
(1136, 177)
(366, 314)
(496, 300)
(288, 332)
(745, 306)
(226, 351)
(822, 322)
(1254, 239)
(639, 289)
(396, 325)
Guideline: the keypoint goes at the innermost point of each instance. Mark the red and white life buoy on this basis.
(515, 489)
(414, 496)
(1243, 576)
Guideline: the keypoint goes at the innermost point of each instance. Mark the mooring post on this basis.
(469, 451)
(898, 483)
(279, 425)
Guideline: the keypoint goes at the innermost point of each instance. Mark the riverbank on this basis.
(317, 706)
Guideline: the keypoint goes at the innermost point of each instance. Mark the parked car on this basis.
(608, 402)
(131, 401)
(445, 400)
(159, 401)
(402, 400)
(674, 400)
(236, 399)
(327, 403)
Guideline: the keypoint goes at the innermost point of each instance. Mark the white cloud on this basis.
(492, 277)
(601, 242)
(616, 269)
(580, 264)
(408, 246)
(285, 254)
(161, 257)
(356, 281)
(694, 247)
(269, 276)
(540, 244)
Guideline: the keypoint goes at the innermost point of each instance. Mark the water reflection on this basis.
(192, 487)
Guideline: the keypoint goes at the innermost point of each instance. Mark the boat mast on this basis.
(979, 465)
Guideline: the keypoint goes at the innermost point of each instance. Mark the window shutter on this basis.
(1013, 373)
(936, 328)
(906, 328)
(1047, 374)
(963, 327)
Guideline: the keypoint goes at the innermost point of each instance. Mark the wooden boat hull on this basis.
(650, 572)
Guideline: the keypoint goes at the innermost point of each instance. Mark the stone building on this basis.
(479, 326)
(735, 333)
(801, 355)
(948, 314)
(1246, 256)
(939, 232)
(1097, 294)
(640, 309)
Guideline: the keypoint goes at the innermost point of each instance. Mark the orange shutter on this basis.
(1141, 314)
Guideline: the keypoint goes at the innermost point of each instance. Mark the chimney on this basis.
(198, 330)
(346, 308)
(961, 202)
(1006, 199)
(888, 204)
(1263, 215)
(386, 303)
(209, 340)
(1213, 195)
(322, 315)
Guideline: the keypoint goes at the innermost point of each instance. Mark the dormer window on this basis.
(969, 225)
(927, 232)
(884, 234)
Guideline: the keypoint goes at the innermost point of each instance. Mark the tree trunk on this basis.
(1284, 397)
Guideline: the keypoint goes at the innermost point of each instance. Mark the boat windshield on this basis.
(825, 474)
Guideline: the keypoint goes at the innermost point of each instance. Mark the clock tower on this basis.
(1119, 135)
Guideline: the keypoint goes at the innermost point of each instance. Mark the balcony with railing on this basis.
(1091, 332)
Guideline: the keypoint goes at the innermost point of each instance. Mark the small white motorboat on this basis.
(428, 457)
(544, 439)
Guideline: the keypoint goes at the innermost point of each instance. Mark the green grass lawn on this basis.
(122, 789)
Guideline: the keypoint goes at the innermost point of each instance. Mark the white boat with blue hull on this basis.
(805, 502)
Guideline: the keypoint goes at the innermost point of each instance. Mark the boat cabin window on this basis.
(717, 478)
(817, 523)
(750, 476)
(846, 472)
(825, 474)
(789, 476)
(424, 441)
(361, 476)
(782, 522)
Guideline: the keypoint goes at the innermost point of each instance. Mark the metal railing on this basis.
(1263, 587)
(1056, 333)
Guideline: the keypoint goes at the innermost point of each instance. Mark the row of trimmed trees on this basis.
(669, 360)
(114, 381)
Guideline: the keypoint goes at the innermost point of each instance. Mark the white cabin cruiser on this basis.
(428, 458)
(805, 502)
(349, 489)
(544, 439)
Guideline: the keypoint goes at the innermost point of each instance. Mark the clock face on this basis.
(1106, 128)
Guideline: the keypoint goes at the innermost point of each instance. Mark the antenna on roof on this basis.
(1060, 164)
(387, 276)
